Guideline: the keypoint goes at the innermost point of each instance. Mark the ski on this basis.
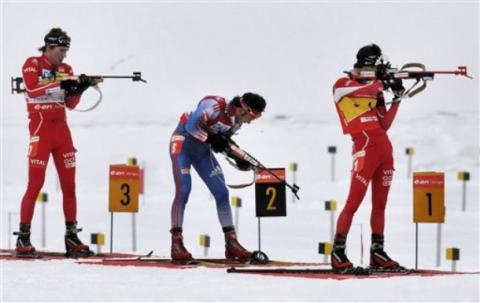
(11, 254)
(357, 271)
(396, 270)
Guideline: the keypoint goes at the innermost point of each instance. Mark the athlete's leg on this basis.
(181, 163)
(65, 162)
(211, 173)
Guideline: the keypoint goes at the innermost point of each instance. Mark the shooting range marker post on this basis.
(409, 151)
(97, 239)
(332, 150)
(123, 191)
(464, 176)
(205, 243)
(428, 205)
(270, 196)
(43, 198)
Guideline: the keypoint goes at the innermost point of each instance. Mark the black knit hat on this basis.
(57, 37)
(254, 101)
(368, 56)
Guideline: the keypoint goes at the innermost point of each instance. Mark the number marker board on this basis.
(270, 194)
(123, 188)
(428, 197)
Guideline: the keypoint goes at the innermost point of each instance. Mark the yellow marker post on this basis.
(205, 242)
(43, 198)
(428, 204)
(409, 151)
(331, 206)
(453, 254)
(332, 150)
(123, 192)
(236, 202)
(464, 176)
(97, 239)
(293, 168)
(325, 249)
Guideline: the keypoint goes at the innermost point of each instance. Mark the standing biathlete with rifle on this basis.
(209, 128)
(48, 92)
(360, 104)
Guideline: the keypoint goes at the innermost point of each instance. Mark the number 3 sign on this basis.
(124, 188)
(428, 197)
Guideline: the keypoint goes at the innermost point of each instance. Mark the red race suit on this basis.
(363, 115)
(49, 133)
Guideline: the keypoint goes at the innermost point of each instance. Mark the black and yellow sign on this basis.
(98, 239)
(428, 197)
(325, 248)
(453, 254)
(236, 201)
(270, 195)
(410, 151)
(42, 197)
(124, 188)
(331, 205)
(463, 175)
(205, 240)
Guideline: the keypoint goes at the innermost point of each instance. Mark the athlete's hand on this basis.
(243, 165)
(86, 81)
(218, 142)
(68, 84)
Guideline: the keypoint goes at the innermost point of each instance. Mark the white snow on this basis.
(291, 53)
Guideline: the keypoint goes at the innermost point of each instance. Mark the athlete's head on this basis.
(248, 107)
(369, 56)
(57, 44)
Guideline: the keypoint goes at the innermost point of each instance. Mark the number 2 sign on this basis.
(270, 194)
(428, 197)
(123, 188)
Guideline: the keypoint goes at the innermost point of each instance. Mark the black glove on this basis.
(243, 165)
(381, 71)
(396, 86)
(83, 83)
(68, 85)
(218, 142)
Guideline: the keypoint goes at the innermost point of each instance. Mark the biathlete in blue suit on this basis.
(209, 128)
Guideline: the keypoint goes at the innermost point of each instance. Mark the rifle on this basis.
(415, 71)
(17, 82)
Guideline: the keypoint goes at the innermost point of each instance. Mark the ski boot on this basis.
(378, 257)
(178, 251)
(233, 249)
(73, 246)
(24, 247)
(340, 262)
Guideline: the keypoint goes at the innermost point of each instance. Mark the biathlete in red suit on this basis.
(363, 114)
(48, 93)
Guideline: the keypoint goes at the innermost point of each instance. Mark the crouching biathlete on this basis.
(360, 104)
(209, 128)
(50, 88)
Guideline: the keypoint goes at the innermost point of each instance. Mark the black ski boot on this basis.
(73, 246)
(340, 262)
(24, 247)
(378, 257)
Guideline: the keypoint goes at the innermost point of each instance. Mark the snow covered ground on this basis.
(289, 52)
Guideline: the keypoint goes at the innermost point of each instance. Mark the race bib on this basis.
(176, 144)
(33, 147)
(358, 161)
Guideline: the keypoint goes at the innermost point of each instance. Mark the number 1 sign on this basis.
(428, 197)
